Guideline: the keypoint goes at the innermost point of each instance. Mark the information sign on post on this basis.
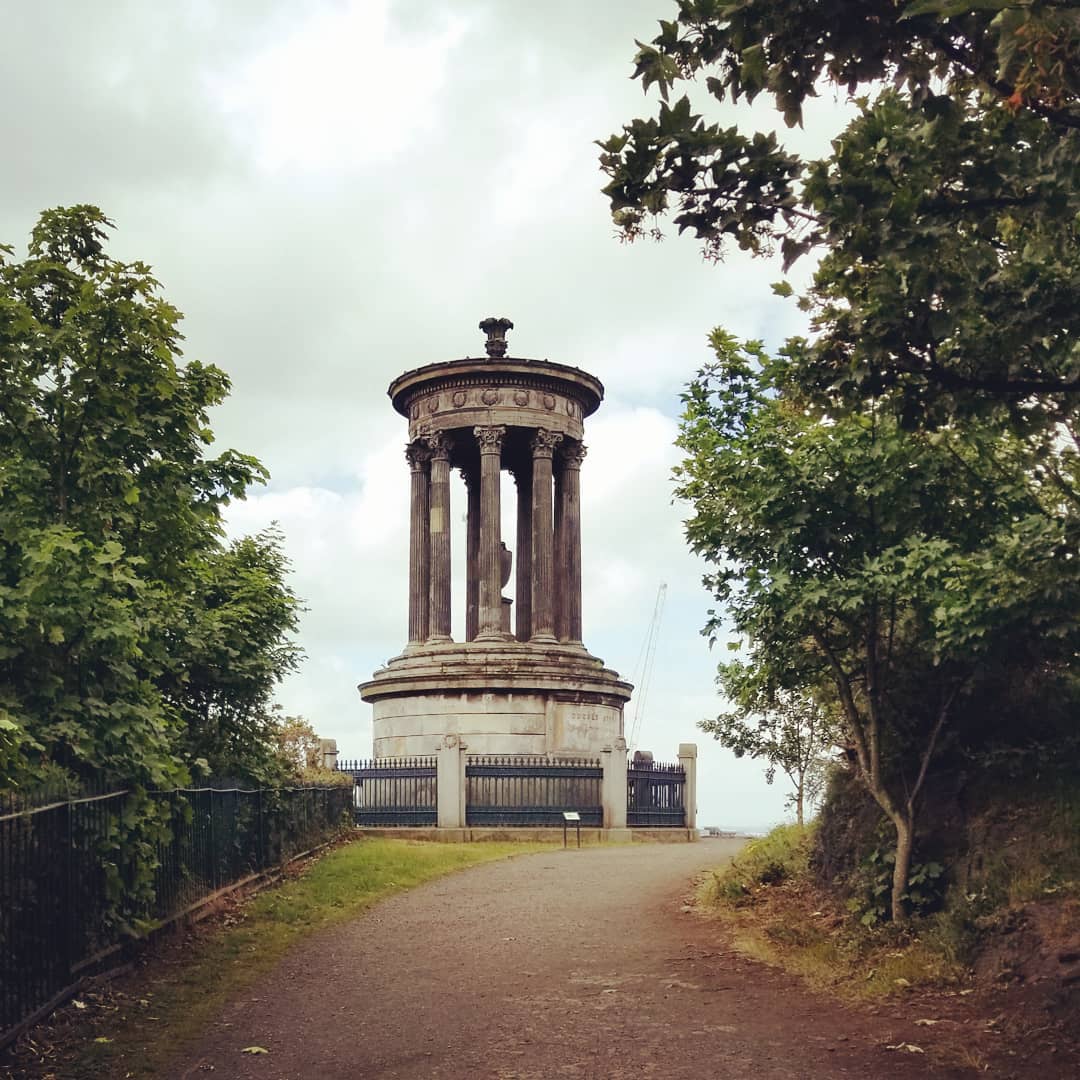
(575, 817)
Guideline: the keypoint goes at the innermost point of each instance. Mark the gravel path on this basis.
(562, 964)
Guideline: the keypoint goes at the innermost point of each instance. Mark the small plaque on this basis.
(571, 815)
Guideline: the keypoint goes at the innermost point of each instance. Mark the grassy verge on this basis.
(775, 912)
(1019, 865)
(133, 1029)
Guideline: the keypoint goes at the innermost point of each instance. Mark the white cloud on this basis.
(336, 192)
(346, 89)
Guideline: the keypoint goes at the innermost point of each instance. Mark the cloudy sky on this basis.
(333, 192)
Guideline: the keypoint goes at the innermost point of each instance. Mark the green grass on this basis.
(782, 855)
(135, 1032)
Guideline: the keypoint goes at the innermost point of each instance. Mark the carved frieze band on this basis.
(478, 395)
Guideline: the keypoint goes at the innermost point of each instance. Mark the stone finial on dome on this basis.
(496, 328)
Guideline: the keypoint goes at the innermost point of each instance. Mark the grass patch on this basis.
(134, 1032)
(782, 855)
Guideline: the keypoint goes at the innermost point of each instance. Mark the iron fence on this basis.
(73, 891)
(655, 795)
(519, 791)
(394, 791)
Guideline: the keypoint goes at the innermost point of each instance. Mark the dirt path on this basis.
(563, 964)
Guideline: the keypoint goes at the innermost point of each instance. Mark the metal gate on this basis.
(394, 791)
(518, 791)
(655, 795)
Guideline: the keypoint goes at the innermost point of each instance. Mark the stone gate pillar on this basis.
(688, 760)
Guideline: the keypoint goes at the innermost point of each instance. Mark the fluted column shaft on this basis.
(570, 491)
(439, 532)
(490, 440)
(543, 553)
(472, 554)
(558, 584)
(418, 457)
(523, 619)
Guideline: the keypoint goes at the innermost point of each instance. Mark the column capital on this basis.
(439, 446)
(417, 454)
(573, 454)
(490, 438)
(543, 443)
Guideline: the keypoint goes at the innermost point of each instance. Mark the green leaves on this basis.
(947, 212)
(877, 571)
(128, 630)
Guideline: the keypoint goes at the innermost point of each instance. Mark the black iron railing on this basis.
(518, 791)
(655, 795)
(72, 892)
(394, 791)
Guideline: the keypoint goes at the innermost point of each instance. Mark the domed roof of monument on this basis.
(502, 370)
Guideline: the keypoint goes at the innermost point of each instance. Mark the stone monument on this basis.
(521, 681)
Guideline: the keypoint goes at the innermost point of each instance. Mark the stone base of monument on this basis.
(500, 697)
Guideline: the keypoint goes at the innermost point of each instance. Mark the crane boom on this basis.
(645, 661)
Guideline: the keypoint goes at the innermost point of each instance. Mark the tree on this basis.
(890, 566)
(235, 646)
(947, 210)
(298, 743)
(300, 749)
(133, 641)
(790, 730)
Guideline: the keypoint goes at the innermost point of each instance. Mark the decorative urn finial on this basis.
(496, 335)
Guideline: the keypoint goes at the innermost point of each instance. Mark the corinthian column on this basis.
(418, 456)
(472, 553)
(558, 582)
(543, 554)
(439, 531)
(490, 440)
(523, 619)
(570, 491)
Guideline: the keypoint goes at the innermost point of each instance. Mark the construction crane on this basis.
(643, 667)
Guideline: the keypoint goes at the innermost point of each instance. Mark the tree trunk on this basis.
(799, 796)
(905, 838)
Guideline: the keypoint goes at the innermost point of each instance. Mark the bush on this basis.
(780, 856)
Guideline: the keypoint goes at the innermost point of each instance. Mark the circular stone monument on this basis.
(521, 682)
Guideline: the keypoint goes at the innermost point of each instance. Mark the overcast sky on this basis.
(335, 192)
